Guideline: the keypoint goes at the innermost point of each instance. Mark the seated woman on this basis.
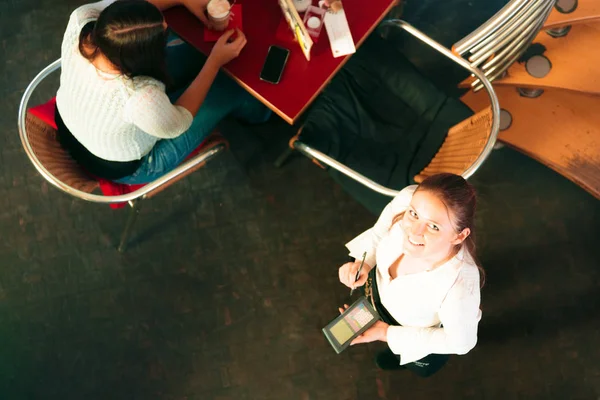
(421, 274)
(113, 112)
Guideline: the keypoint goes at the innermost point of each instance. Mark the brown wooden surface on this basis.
(54, 158)
(575, 62)
(463, 144)
(560, 129)
(586, 11)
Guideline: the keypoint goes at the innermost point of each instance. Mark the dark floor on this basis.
(233, 274)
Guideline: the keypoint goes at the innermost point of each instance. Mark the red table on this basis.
(302, 80)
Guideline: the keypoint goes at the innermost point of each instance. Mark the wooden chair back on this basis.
(462, 146)
(44, 142)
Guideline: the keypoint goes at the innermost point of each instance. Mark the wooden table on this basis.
(302, 80)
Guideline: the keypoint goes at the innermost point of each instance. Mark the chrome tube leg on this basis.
(283, 157)
(133, 214)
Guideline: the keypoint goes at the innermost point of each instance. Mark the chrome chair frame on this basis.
(495, 107)
(503, 39)
(134, 198)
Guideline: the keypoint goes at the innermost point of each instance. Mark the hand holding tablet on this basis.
(354, 321)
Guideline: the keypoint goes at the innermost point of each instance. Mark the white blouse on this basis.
(439, 309)
(114, 117)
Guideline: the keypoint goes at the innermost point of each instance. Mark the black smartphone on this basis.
(274, 64)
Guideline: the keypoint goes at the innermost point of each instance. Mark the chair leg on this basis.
(135, 210)
(283, 157)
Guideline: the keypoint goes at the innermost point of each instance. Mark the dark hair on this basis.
(460, 200)
(130, 33)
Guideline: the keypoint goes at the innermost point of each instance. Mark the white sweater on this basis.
(115, 118)
(439, 309)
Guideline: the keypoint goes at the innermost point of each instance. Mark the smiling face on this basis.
(429, 231)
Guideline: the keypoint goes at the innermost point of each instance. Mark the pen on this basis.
(359, 269)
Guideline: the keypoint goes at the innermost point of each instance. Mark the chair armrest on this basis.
(333, 163)
(212, 148)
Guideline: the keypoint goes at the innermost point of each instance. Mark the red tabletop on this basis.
(302, 80)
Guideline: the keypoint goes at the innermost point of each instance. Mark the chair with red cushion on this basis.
(37, 130)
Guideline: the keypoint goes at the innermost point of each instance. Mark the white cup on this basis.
(219, 12)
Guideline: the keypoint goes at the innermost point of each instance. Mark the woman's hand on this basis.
(347, 273)
(226, 49)
(376, 332)
(198, 8)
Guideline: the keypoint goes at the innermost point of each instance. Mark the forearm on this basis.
(194, 95)
(165, 4)
(433, 340)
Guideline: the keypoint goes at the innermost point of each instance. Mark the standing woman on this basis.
(113, 112)
(421, 274)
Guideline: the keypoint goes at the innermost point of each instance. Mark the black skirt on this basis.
(94, 165)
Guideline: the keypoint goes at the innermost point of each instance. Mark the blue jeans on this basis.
(224, 98)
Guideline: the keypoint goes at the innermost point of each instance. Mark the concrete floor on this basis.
(233, 273)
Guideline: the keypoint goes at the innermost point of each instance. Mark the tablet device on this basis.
(354, 321)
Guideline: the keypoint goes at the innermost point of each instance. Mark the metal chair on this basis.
(503, 39)
(59, 169)
(464, 149)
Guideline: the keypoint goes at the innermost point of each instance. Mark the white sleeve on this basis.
(151, 110)
(459, 315)
(369, 240)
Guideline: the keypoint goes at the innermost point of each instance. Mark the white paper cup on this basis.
(219, 12)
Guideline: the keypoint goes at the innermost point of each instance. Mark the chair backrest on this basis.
(462, 147)
(46, 147)
(503, 39)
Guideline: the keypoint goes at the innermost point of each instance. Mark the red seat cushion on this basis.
(46, 111)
